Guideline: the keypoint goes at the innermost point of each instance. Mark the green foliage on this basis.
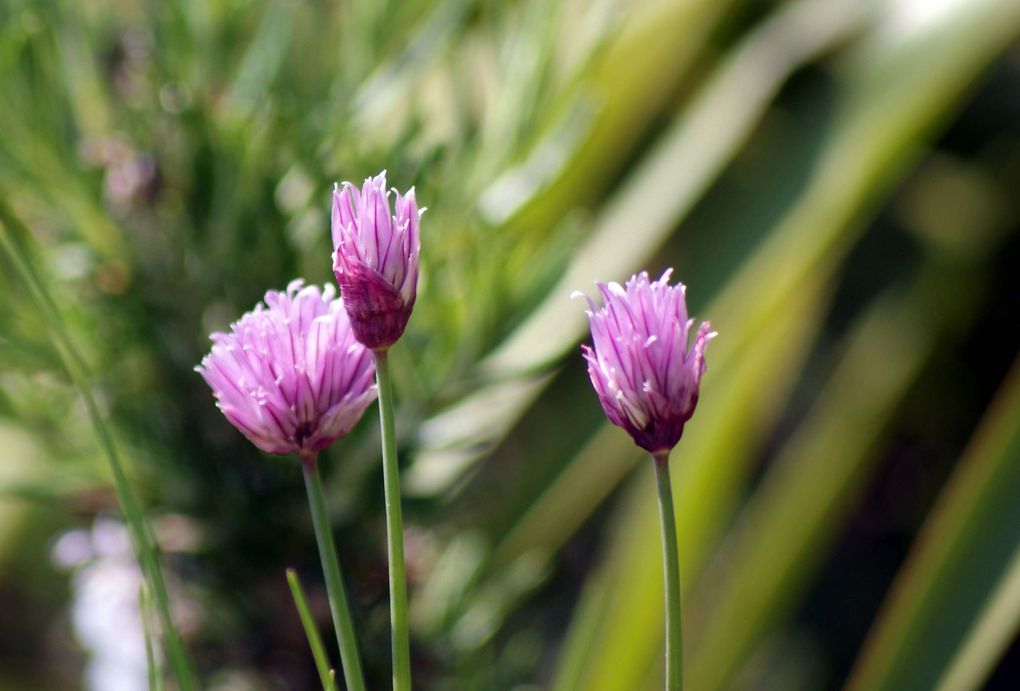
(963, 570)
(813, 171)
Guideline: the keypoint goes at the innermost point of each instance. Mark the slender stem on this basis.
(138, 526)
(342, 621)
(152, 665)
(670, 574)
(394, 529)
(311, 632)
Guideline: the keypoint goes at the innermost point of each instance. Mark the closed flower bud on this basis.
(642, 364)
(376, 258)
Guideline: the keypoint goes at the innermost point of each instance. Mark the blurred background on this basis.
(836, 181)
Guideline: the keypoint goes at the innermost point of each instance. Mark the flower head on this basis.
(290, 375)
(643, 367)
(376, 258)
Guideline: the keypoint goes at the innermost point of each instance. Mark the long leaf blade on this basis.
(955, 606)
(311, 631)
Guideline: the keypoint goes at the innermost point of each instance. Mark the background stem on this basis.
(394, 528)
(142, 539)
(342, 621)
(670, 575)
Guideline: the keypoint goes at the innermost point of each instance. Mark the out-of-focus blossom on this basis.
(376, 258)
(105, 604)
(132, 176)
(643, 366)
(290, 375)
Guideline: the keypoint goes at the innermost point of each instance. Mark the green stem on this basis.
(149, 633)
(394, 529)
(342, 621)
(670, 574)
(138, 527)
(311, 631)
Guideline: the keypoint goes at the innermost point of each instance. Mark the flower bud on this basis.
(376, 259)
(643, 367)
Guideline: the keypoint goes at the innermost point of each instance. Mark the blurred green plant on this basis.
(134, 514)
(955, 607)
(169, 162)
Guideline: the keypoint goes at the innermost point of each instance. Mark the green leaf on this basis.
(955, 606)
(783, 532)
(703, 139)
(326, 675)
(149, 628)
(896, 90)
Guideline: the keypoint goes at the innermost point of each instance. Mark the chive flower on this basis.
(642, 364)
(290, 374)
(376, 258)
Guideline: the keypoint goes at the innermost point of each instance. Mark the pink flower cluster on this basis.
(296, 373)
(290, 374)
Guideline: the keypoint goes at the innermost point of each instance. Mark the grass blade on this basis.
(803, 499)
(155, 669)
(701, 142)
(999, 622)
(141, 534)
(956, 604)
(326, 675)
(894, 96)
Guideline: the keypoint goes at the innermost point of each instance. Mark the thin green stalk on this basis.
(394, 528)
(155, 673)
(311, 632)
(342, 621)
(671, 575)
(138, 528)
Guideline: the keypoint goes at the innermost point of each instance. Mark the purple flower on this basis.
(290, 375)
(643, 368)
(376, 259)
